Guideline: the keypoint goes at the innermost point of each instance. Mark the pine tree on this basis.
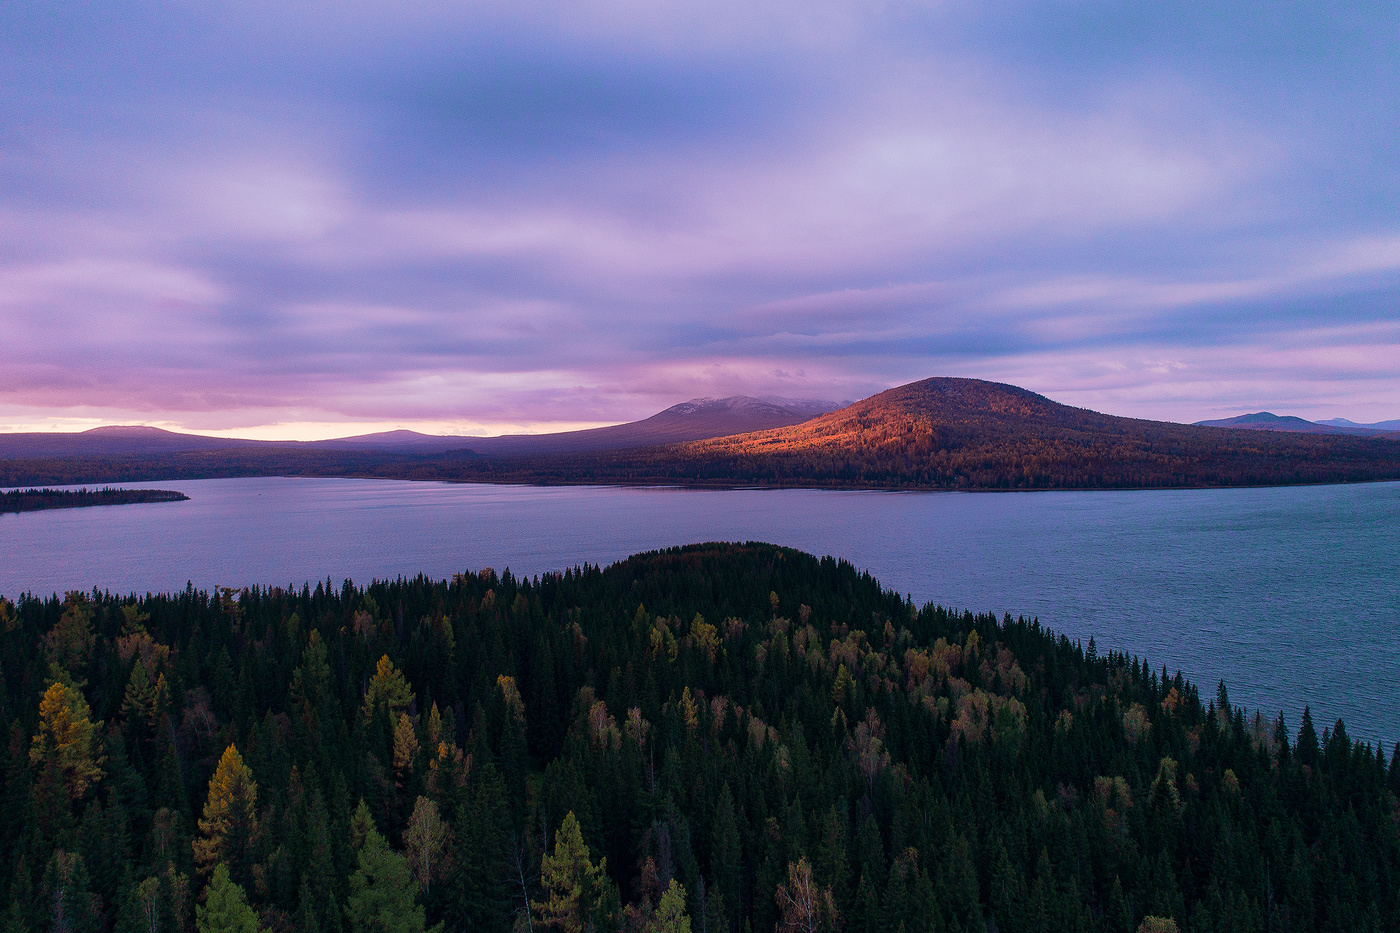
(670, 915)
(1307, 745)
(1117, 917)
(572, 884)
(725, 854)
(1008, 893)
(307, 917)
(479, 895)
(382, 891)
(830, 862)
(68, 903)
(225, 909)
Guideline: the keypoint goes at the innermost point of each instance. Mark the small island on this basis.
(34, 500)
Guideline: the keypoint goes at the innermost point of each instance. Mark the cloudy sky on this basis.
(284, 219)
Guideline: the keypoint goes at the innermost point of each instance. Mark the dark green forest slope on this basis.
(714, 738)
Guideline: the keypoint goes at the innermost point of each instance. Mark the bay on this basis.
(1288, 594)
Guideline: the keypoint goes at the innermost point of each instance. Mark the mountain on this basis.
(945, 433)
(940, 433)
(1268, 421)
(396, 440)
(1393, 425)
(696, 419)
(115, 440)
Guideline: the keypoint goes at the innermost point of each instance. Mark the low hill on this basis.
(946, 433)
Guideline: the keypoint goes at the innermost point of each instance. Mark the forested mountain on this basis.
(948, 433)
(719, 738)
(940, 433)
(696, 419)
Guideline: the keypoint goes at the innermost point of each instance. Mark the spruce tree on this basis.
(382, 891)
(225, 909)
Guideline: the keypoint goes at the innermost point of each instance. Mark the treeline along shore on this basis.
(714, 739)
(35, 500)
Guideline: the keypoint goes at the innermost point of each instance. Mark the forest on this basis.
(34, 500)
(708, 739)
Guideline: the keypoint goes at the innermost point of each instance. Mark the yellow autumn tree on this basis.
(388, 688)
(229, 823)
(65, 750)
(405, 748)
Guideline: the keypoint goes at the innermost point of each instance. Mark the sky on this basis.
(290, 219)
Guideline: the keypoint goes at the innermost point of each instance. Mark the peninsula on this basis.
(36, 500)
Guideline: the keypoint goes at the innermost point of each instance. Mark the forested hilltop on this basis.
(946, 433)
(940, 433)
(718, 738)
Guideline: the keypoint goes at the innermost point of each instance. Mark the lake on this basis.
(1292, 595)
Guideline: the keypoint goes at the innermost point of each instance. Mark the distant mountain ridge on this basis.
(1392, 425)
(696, 419)
(115, 440)
(1268, 421)
(939, 433)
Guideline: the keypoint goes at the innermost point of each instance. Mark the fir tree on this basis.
(225, 909)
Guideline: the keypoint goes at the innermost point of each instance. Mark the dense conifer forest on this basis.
(35, 500)
(713, 739)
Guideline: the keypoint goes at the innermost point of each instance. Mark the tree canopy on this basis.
(713, 739)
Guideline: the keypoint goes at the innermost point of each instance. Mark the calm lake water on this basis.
(1291, 595)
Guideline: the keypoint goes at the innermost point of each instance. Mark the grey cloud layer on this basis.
(561, 212)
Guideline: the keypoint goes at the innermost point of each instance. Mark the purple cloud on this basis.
(510, 216)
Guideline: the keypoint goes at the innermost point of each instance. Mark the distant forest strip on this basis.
(716, 738)
(218, 464)
(1154, 457)
(35, 500)
(1084, 463)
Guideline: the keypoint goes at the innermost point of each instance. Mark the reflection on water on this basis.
(1290, 595)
